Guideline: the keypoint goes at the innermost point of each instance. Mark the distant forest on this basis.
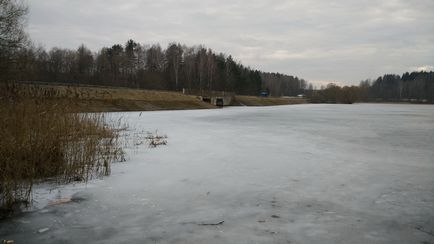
(178, 66)
(417, 87)
(148, 67)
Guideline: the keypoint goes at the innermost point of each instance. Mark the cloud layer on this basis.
(343, 41)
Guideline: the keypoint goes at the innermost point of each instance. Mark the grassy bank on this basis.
(107, 99)
(266, 101)
(44, 138)
(110, 99)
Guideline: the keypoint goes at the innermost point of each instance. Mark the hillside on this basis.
(109, 99)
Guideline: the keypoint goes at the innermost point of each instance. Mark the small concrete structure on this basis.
(217, 101)
(216, 98)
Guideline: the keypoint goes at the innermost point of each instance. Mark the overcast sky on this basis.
(321, 41)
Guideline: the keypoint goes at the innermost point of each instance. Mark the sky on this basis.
(342, 41)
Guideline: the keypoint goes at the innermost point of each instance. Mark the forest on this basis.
(414, 87)
(178, 66)
(142, 66)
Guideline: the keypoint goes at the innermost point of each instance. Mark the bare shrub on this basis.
(155, 140)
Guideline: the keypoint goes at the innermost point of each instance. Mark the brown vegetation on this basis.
(45, 138)
(155, 140)
(336, 94)
(109, 99)
(266, 101)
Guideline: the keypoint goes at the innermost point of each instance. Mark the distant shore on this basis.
(116, 99)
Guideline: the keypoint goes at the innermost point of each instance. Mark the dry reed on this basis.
(42, 137)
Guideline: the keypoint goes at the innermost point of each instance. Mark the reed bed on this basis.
(46, 138)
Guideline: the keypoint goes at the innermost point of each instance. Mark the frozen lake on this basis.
(359, 173)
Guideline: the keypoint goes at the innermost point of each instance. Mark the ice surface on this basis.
(289, 174)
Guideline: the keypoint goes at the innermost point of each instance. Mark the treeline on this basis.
(178, 66)
(415, 87)
(333, 93)
(146, 66)
(283, 85)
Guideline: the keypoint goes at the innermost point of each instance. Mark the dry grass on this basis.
(266, 101)
(105, 99)
(44, 138)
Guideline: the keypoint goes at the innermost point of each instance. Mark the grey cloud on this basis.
(342, 41)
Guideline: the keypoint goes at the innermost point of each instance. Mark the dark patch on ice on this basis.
(275, 216)
(80, 197)
(422, 229)
(204, 223)
(274, 203)
(271, 232)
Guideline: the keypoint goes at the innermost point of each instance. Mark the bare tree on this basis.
(201, 65)
(12, 36)
(174, 59)
(84, 61)
(189, 65)
(155, 61)
(131, 57)
(12, 20)
(211, 68)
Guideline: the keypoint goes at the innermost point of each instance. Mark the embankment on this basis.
(266, 101)
(116, 99)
